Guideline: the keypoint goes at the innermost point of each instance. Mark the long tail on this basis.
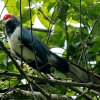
(77, 74)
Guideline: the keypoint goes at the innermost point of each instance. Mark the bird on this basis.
(30, 49)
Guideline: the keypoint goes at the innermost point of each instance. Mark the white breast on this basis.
(15, 45)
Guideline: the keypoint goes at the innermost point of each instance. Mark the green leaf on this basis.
(73, 21)
(44, 17)
(69, 92)
(98, 58)
(41, 35)
(59, 36)
(11, 67)
(26, 16)
(11, 7)
(97, 68)
(2, 85)
(2, 56)
(63, 10)
(96, 29)
(50, 4)
(96, 47)
(38, 0)
(13, 81)
(24, 4)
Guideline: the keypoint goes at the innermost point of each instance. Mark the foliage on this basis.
(63, 17)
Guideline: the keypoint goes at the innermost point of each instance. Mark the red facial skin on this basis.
(7, 16)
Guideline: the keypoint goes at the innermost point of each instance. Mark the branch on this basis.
(22, 72)
(81, 92)
(4, 7)
(95, 23)
(12, 74)
(47, 18)
(39, 29)
(21, 94)
(92, 28)
(55, 82)
(39, 9)
(95, 92)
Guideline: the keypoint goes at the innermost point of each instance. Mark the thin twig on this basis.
(21, 33)
(95, 92)
(50, 28)
(39, 29)
(79, 96)
(47, 18)
(81, 55)
(81, 92)
(3, 8)
(33, 49)
(39, 9)
(93, 28)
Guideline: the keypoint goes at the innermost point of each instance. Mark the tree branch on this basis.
(55, 82)
(21, 94)
(39, 29)
(13, 74)
(47, 18)
(22, 72)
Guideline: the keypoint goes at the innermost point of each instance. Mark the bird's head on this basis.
(6, 18)
(10, 18)
(10, 22)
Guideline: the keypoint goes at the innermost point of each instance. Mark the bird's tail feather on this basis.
(81, 75)
(76, 73)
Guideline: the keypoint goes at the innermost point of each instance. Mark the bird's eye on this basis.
(7, 16)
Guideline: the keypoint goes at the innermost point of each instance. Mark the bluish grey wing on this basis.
(35, 45)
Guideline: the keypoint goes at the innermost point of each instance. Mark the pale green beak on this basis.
(0, 21)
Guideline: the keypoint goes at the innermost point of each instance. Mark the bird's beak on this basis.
(0, 21)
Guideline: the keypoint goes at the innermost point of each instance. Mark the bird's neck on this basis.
(10, 26)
